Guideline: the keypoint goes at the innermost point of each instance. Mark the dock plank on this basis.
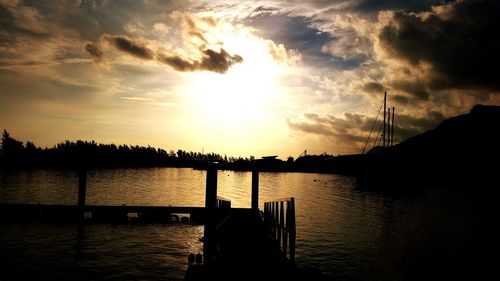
(97, 212)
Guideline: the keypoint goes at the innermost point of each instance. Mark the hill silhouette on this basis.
(461, 150)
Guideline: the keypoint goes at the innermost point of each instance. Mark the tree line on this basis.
(15, 154)
(75, 154)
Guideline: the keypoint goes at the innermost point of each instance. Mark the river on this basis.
(345, 232)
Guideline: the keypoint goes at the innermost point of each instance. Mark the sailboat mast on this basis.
(389, 126)
(385, 113)
(392, 127)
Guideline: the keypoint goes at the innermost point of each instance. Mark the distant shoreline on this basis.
(16, 155)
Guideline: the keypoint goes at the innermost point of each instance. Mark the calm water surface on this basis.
(344, 232)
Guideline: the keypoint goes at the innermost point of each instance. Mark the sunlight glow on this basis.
(245, 91)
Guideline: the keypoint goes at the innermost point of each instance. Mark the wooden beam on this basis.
(82, 190)
(255, 190)
(209, 245)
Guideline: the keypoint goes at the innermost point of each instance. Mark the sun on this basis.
(243, 108)
(246, 90)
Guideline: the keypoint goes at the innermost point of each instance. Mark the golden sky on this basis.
(241, 78)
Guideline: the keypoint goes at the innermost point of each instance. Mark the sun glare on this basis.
(245, 90)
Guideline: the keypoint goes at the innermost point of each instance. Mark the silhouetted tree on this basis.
(10, 145)
(71, 154)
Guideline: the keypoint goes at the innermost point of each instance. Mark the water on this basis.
(32, 251)
(344, 232)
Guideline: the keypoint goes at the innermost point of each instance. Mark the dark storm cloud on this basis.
(211, 60)
(460, 41)
(133, 47)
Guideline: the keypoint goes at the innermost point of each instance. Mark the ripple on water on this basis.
(344, 232)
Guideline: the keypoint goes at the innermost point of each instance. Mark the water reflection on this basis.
(32, 251)
(344, 232)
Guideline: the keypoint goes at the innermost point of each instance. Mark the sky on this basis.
(241, 78)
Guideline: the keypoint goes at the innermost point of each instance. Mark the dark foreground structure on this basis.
(246, 243)
(238, 243)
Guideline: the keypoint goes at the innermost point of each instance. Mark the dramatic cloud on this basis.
(431, 55)
(459, 41)
(434, 58)
(196, 57)
(133, 47)
(352, 130)
(211, 60)
(348, 132)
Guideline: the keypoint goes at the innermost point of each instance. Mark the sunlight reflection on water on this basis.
(344, 232)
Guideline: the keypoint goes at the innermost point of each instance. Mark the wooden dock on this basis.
(96, 213)
(249, 245)
(238, 243)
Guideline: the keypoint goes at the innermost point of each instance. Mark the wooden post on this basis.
(293, 234)
(276, 219)
(211, 188)
(209, 244)
(286, 225)
(82, 190)
(273, 225)
(255, 190)
(281, 224)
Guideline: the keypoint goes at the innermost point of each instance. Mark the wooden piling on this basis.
(82, 190)
(293, 234)
(255, 190)
(209, 244)
(281, 224)
(211, 189)
(279, 217)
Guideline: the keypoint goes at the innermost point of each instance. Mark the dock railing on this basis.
(279, 219)
(222, 202)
